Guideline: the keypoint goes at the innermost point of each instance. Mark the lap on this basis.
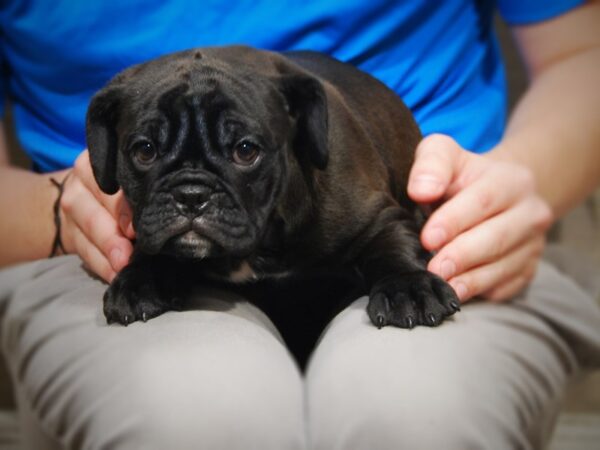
(492, 377)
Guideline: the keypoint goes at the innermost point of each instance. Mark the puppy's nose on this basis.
(191, 195)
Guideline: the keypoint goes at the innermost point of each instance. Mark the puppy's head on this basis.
(201, 144)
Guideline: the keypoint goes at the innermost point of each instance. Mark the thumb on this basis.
(125, 216)
(437, 159)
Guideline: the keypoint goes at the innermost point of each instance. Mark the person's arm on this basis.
(555, 128)
(92, 223)
(4, 160)
(26, 201)
(489, 232)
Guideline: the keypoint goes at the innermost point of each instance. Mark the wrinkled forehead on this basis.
(204, 93)
(169, 84)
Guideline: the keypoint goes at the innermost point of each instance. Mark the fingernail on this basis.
(436, 237)
(116, 256)
(426, 184)
(460, 289)
(447, 269)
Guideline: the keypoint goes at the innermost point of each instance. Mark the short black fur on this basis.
(324, 194)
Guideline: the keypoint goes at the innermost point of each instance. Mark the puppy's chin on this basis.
(189, 245)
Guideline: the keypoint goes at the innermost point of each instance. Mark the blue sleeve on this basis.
(521, 12)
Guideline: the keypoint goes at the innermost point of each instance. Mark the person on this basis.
(219, 376)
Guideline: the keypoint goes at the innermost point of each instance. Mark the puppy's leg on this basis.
(401, 290)
(146, 288)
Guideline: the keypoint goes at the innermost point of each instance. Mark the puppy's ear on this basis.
(308, 104)
(101, 136)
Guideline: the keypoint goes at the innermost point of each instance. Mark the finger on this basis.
(437, 159)
(507, 290)
(83, 170)
(493, 238)
(92, 257)
(115, 204)
(519, 263)
(124, 216)
(475, 203)
(97, 224)
(118, 207)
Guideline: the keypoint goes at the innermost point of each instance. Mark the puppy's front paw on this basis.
(418, 298)
(133, 297)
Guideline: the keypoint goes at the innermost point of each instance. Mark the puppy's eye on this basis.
(245, 153)
(144, 153)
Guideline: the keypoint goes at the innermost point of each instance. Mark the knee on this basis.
(360, 398)
(238, 393)
(423, 414)
(217, 403)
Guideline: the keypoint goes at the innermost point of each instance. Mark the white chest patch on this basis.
(244, 273)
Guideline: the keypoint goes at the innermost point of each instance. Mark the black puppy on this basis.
(242, 164)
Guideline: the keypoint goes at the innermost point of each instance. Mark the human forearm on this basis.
(555, 131)
(27, 227)
(555, 128)
(89, 219)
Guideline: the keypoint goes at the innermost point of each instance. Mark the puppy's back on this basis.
(382, 114)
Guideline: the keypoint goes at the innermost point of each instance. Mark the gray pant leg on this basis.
(491, 378)
(215, 377)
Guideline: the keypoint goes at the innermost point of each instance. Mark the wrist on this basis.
(504, 152)
(57, 247)
(26, 230)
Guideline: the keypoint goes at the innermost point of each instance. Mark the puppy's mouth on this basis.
(189, 244)
(198, 238)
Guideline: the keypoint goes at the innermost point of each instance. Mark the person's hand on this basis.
(489, 231)
(96, 226)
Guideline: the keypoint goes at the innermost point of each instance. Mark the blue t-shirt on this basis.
(440, 57)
